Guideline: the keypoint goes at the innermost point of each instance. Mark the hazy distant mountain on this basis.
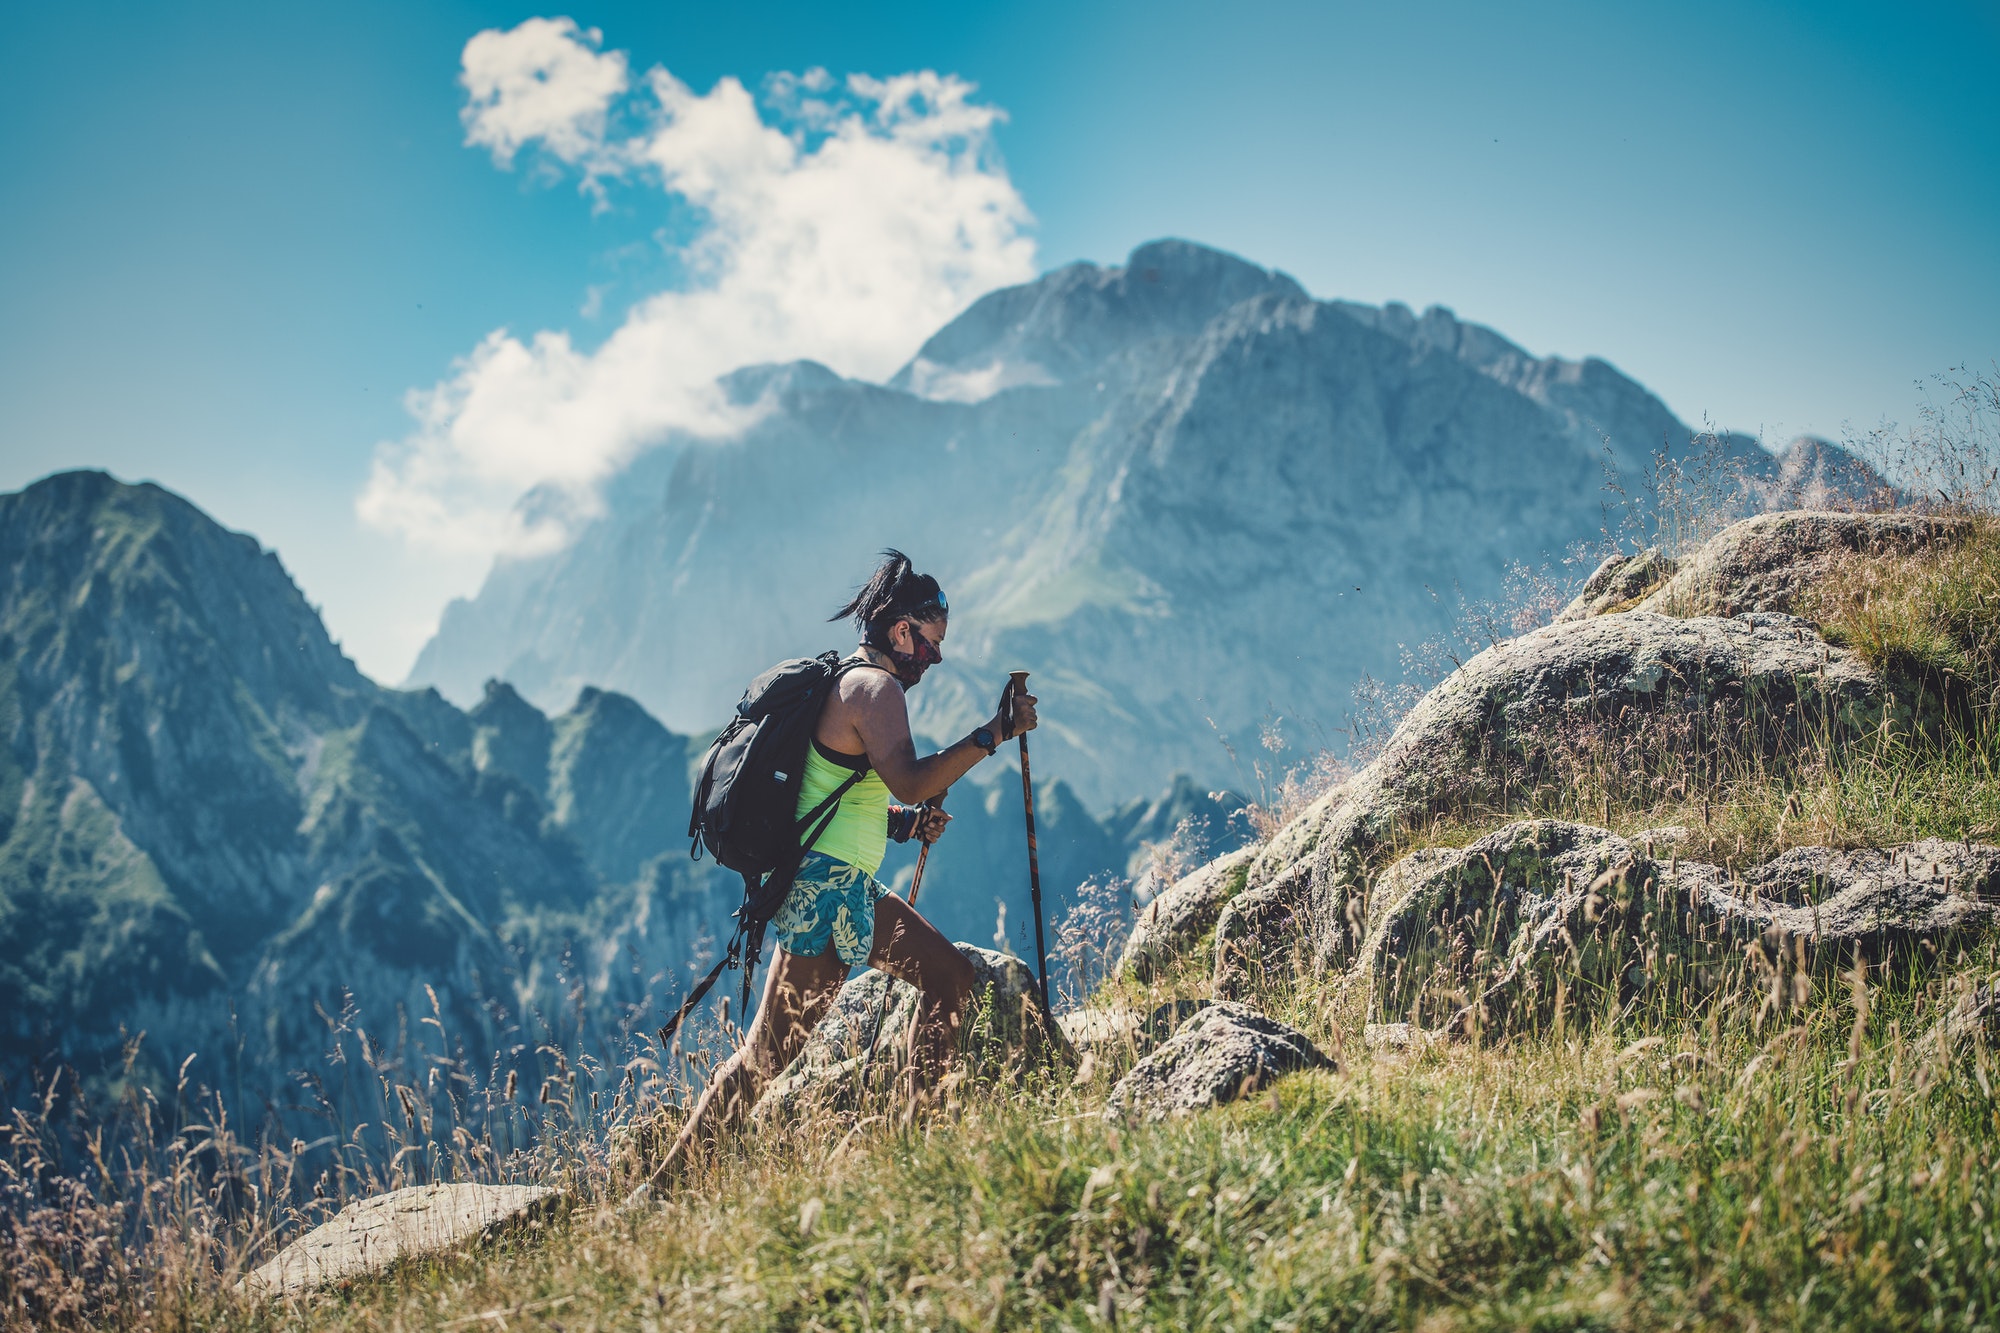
(1189, 497)
(216, 831)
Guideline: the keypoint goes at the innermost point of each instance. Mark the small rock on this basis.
(1974, 1015)
(1224, 1052)
(1110, 1027)
(1617, 583)
(368, 1236)
(1389, 1040)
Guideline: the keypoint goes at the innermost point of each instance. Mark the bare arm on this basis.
(870, 709)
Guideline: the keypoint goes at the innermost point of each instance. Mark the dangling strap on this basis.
(701, 989)
(825, 812)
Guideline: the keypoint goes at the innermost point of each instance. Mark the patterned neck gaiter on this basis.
(910, 667)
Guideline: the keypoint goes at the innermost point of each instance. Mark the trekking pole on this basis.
(1017, 685)
(924, 852)
(916, 882)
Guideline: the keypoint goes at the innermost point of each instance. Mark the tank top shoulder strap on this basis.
(857, 762)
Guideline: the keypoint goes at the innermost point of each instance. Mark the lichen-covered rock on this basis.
(1223, 1052)
(1389, 1041)
(1545, 921)
(847, 1056)
(1870, 896)
(1971, 1017)
(1183, 913)
(1770, 562)
(1510, 717)
(1618, 583)
(1448, 919)
(368, 1236)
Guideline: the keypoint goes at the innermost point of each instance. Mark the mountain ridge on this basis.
(1138, 480)
(212, 807)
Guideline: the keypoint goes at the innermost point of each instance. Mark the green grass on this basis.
(1832, 1166)
(1931, 620)
(1656, 1180)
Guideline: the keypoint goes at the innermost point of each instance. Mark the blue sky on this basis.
(235, 236)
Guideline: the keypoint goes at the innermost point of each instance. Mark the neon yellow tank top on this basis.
(859, 833)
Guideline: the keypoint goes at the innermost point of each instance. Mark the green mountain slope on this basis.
(218, 831)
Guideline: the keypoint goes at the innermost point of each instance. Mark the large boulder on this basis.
(1519, 717)
(857, 1047)
(1773, 562)
(1224, 1052)
(1544, 918)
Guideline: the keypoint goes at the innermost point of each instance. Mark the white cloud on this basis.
(841, 221)
(540, 81)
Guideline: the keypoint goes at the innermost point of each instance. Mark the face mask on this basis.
(910, 667)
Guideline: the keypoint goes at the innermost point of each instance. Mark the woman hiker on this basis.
(837, 916)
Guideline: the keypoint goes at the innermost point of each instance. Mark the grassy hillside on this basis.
(1804, 1148)
(1821, 1171)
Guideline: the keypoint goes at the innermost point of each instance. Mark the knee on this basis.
(956, 979)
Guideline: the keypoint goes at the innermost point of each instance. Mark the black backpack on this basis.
(746, 801)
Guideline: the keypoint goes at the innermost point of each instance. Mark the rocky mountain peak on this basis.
(1064, 324)
(511, 735)
(780, 379)
(99, 576)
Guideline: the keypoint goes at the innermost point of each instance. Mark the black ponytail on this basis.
(893, 591)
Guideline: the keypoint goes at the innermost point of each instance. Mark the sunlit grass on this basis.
(1637, 1178)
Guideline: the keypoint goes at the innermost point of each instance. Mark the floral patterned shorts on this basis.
(830, 900)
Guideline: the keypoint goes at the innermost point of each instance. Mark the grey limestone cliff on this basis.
(1191, 498)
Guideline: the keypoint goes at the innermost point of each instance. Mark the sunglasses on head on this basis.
(933, 604)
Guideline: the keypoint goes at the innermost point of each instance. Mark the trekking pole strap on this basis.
(824, 812)
(695, 996)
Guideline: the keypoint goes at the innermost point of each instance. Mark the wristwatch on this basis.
(983, 738)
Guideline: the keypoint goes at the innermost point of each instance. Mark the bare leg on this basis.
(911, 949)
(797, 993)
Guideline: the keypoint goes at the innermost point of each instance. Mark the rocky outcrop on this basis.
(1544, 921)
(1768, 563)
(1183, 913)
(1224, 1052)
(858, 1045)
(1515, 716)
